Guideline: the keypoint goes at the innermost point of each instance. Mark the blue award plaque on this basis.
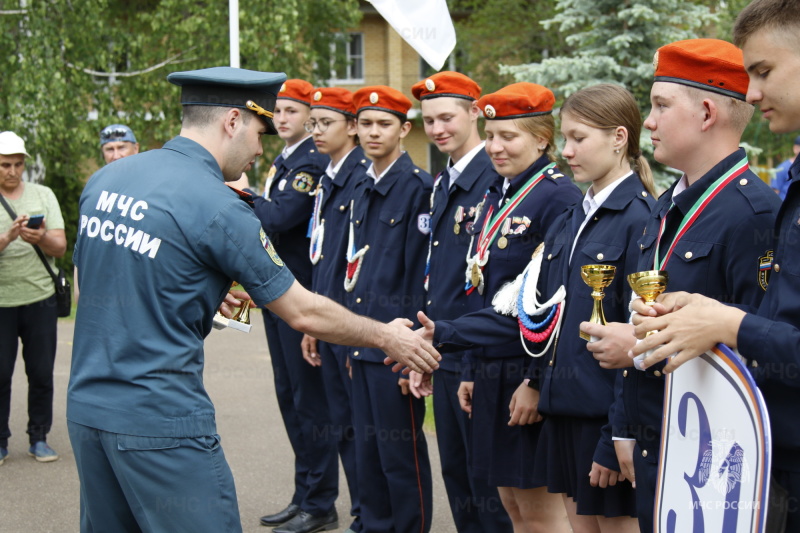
(714, 466)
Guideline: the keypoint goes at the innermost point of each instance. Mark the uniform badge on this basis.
(430, 85)
(282, 184)
(283, 88)
(373, 98)
(303, 182)
(655, 61)
(489, 111)
(424, 223)
(318, 96)
(764, 269)
(267, 244)
(271, 173)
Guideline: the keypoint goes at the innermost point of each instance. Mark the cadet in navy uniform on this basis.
(333, 126)
(284, 211)
(520, 141)
(769, 339)
(155, 259)
(602, 148)
(387, 246)
(697, 118)
(450, 114)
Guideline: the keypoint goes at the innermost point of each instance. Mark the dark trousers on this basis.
(476, 507)
(646, 481)
(35, 324)
(301, 400)
(394, 471)
(338, 391)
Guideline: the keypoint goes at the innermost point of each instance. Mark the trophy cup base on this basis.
(221, 322)
(589, 338)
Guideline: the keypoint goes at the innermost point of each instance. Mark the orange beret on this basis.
(517, 100)
(335, 99)
(709, 64)
(297, 90)
(382, 98)
(452, 84)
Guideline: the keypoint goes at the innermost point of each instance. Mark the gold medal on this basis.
(476, 275)
(502, 242)
(457, 228)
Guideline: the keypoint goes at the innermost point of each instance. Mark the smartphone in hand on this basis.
(35, 221)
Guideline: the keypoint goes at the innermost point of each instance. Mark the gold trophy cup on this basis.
(598, 277)
(241, 320)
(648, 284)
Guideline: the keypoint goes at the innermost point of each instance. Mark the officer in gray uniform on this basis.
(161, 238)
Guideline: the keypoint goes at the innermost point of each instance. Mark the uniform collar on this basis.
(474, 169)
(196, 151)
(686, 199)
(392, 174)
(592, 202)
(289, 150)
(333, 171)
(349, 162)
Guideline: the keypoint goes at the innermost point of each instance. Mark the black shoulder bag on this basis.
(63, 290)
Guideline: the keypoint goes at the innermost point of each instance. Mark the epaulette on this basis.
(757, 193)
(245, 196)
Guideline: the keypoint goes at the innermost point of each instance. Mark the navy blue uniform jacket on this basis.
(328, 273)
(771, 338)
(542, 206)
(446, 298)
(392, 217)
(287, 212)
(718, 257)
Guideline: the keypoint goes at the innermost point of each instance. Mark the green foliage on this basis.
(65, 61)
(485, 40)
(614, 41)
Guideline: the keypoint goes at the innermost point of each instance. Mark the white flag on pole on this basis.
(424, 24)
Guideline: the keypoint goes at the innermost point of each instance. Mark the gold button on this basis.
(776, 268)
(358, 222)
(657, 373)
(596, 219)
(624, 373)
(355, 353)
(600, 257)
(321, 256)
(341, 208)
(312, 151)
(743, 181)
(358, 300)
(549, 257)
(644, 452)
(416, 171)
(363, 160)
(641, 246)
(644, 194)
(391, 221)
(429, 302)
(436, 243)
(754, 364)
(688, 255)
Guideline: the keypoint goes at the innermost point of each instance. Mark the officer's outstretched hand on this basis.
(420, 385)
(407, 349)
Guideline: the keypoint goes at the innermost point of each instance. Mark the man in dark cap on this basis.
(156, 258)
(117, 141)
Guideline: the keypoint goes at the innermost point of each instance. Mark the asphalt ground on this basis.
(43, 497)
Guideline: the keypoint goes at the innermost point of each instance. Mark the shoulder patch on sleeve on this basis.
(267, 244)
(424, 223)
(303, 182)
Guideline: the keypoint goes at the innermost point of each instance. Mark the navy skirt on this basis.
(501, 454)
(564, 460)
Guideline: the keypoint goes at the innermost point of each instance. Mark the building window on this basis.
(437, 160)
(426, 70)
(347, 59)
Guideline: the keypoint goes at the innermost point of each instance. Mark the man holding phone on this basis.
(30, 217)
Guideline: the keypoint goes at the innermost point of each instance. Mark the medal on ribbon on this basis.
(491, 230)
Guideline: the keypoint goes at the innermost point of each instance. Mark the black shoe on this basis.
(280, 517)
(306, 523)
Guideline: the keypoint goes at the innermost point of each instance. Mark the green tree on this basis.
(72, 66)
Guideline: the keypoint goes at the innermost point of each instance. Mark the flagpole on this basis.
(233, 18)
